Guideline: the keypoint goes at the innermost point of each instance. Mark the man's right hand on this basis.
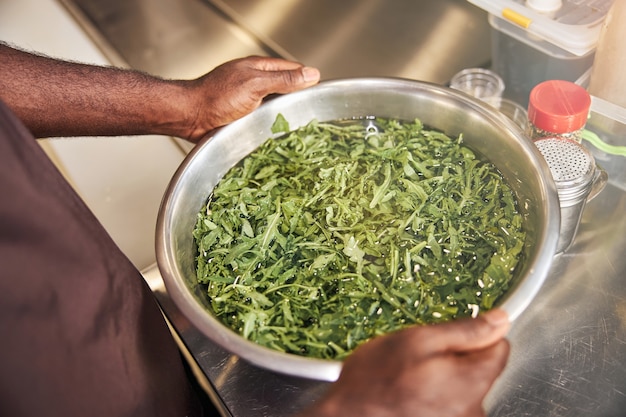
(435, 370)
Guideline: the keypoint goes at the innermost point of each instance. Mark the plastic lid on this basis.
(558, 106)
(544, 6)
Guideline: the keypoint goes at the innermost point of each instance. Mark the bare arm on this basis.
(59, 98)
(426, 371)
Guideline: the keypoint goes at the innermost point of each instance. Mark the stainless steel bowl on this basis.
(483, 129)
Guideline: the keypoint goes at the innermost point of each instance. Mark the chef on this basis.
(82, 334)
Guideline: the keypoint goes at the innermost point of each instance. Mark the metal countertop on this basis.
(421, 39)
(568, 354)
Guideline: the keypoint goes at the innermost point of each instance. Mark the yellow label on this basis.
(516, 18)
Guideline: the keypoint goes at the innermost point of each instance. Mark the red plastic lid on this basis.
(558, 106)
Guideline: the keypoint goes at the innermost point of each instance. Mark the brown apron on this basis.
(80, 332)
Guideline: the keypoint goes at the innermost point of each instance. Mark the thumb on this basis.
(290, 80)
(467, 334)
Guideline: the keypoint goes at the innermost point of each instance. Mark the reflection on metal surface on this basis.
(172, 39)
(419, 39)
(265, 14)
(568, 352)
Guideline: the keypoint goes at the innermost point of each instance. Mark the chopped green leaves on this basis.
(336, 232)
(281, 125)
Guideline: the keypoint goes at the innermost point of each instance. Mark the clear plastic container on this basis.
(572, 25)
(488, 86)
(479, 82)
(524, 61)
(607, 123)
(538, 40)
(513, 111)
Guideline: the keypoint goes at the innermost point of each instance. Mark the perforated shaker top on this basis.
(570, 163)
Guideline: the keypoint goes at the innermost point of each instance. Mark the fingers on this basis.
(310, 75)
(282, 76)
(485, 365)
(273, 64)
(479, 333)
(478, 370)
(463, 335)
(236, 88)
(287, 81)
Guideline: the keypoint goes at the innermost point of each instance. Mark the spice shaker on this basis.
(578, 180)
(558, 108)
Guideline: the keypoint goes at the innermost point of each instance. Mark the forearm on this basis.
(57, 98)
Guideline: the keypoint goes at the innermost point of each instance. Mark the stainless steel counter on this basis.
(422, 39)
(568, 353)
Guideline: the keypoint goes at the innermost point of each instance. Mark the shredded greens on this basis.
(336, 232)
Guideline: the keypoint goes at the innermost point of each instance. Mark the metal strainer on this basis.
(577, 180)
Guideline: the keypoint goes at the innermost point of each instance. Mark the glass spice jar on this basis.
(558, 108)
